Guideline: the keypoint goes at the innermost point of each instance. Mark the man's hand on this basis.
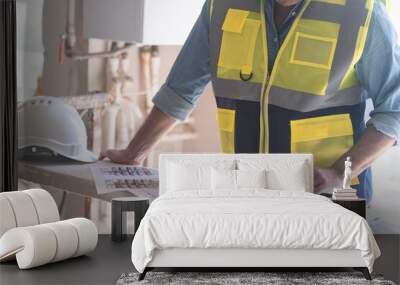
(119, 156)
(325, 179)
(371, 144)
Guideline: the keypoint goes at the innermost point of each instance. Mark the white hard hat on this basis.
(52, 123)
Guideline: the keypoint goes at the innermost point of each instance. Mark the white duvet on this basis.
(253, 218)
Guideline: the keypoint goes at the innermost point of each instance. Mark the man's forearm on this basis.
(150, 133)
(371, 144)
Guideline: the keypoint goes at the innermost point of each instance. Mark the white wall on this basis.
(384, 211)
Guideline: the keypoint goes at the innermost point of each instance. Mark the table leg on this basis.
(87, 207)
(140, 211)
(117, 222)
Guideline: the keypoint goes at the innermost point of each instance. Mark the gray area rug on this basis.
(268, 278)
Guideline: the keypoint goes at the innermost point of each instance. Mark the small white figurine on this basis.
(347, 173)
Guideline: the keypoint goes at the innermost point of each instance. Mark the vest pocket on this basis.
(226, 124)
(239, 38)
(322, 55)
(326, 137)
(307, 55)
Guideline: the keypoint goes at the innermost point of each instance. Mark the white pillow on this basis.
(188, 177)
(193, 174)
(237, 179)
(293, 180)
(290, 175)
(223, 179)
(251, 178)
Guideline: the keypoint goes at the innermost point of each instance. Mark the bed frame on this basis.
(260, 259)
(236, 259)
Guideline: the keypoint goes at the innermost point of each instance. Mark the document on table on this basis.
(140, 181)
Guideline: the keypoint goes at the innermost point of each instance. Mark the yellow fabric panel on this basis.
(237, 49)
(226, 119)
(355, 181)
(321, 37)
(242, 52)
(350, 79)
(325, 151)
(321, 127)
(235, 20)
(338, 2)
(227, 142)
(326, 137)
(226, 124)
(322, 57)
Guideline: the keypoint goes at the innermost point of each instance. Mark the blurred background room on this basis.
(106, 60)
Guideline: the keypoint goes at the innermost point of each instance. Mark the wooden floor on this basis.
(110, 260)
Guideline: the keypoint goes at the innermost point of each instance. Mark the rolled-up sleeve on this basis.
(172, 104)
(190, 73)
(379, 73)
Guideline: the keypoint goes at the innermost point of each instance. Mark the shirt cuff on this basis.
(169, 102)
(387, 124)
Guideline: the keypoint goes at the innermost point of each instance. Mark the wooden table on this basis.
(66, 175)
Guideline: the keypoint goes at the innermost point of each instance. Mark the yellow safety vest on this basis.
(312, 100)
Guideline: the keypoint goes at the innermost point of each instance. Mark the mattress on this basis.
(250, 219)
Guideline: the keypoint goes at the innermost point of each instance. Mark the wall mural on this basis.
(383, 212)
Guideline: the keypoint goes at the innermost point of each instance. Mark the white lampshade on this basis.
(150, 22)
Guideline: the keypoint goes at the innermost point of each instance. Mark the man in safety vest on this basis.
(289, 76)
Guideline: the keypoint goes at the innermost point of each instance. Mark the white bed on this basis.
(248, 227)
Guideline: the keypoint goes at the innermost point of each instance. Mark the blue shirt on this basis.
(378, 68)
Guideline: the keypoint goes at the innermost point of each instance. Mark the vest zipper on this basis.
(264, 112)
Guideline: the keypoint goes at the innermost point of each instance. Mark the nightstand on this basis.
(357, 206)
